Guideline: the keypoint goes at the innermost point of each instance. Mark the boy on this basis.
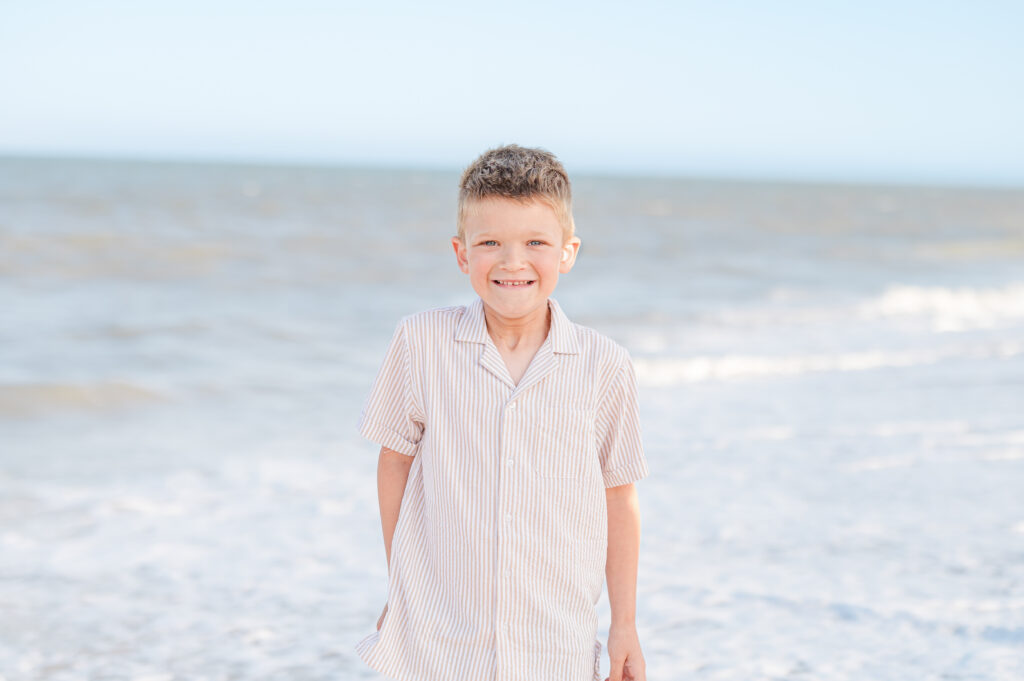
(510, 443)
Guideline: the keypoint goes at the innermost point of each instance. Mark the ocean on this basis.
(831, 391)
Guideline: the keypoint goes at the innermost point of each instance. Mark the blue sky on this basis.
(863, 91)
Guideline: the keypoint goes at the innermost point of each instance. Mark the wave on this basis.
(949, 309)
(655, 371)
(939, 308)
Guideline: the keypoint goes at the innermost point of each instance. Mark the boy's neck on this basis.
(512, 334)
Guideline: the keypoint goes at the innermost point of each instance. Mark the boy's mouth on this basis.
(514, 283)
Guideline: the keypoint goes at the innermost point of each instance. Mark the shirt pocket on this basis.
(565, 442)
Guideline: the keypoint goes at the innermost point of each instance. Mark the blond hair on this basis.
(521, 174)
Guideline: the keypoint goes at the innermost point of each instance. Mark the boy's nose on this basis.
(513, 258)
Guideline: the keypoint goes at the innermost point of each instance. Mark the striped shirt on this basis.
(498, 555)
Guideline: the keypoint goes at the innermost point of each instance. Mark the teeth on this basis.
(513, 283)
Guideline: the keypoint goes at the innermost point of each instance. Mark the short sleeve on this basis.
(620, 446)
(391, 416)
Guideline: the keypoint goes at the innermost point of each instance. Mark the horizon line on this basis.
(628, 173)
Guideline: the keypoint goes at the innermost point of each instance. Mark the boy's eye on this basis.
(489, 242)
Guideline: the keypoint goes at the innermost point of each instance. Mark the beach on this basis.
(831, 383)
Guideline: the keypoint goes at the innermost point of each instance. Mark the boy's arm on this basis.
(623, 552)
(624, 653)
(392, 474)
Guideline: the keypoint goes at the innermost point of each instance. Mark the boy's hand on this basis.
(384, 612)
(624, 652)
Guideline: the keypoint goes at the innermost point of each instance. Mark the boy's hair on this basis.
(521, 174)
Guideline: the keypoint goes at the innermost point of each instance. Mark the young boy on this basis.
(510, 443)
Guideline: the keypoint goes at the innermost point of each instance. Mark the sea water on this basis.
(831, 392)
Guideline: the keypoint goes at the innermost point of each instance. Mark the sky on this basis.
(899, 91)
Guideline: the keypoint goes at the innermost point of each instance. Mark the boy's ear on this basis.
(460, 254)
(569, 251)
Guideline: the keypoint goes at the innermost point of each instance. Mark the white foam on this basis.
(1006, 454)
(879, 463)
(949, 309)
(913, 427)
(782, 432)
(142, 506)
(657, 371)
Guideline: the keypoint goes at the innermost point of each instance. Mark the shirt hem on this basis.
(386, 437)
(625, 475)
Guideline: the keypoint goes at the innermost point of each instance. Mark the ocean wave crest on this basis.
(666, 371)
(949, 309)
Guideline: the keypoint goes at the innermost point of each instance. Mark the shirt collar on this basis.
(472, 327)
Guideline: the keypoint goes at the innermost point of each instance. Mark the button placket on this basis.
(502, 627)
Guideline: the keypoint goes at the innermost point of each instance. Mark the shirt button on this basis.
(508, 517)
(512, 406)
(510, 462)
(508, 572)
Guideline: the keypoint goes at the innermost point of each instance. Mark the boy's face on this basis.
(508, 241)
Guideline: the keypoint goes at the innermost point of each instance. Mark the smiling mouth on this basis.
(512, 283)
